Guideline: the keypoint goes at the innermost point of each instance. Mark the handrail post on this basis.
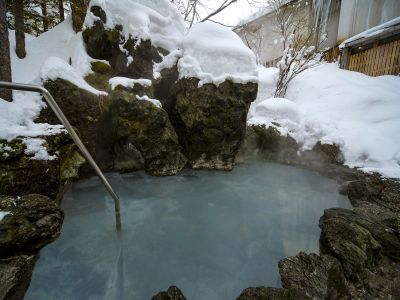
(64, 121)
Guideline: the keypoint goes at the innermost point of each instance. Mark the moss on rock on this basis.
(211, 120)
(140, 126)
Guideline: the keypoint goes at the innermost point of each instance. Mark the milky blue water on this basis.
(212, 234)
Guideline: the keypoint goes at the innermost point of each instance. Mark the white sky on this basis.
(234, 13)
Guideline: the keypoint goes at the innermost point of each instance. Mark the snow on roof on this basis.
(372, 31)
(214, 53)
(155, 20)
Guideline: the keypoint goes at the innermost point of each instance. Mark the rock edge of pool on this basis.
(359, 248)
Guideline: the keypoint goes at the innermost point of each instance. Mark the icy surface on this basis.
(372, 31)
(214, 53)
(359, 113)
(128, 82)
(210, 233)
(155, 20)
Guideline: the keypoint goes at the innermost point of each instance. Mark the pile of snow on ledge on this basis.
(214, 53)
(155, 20)
(54, 68)
(359, 113)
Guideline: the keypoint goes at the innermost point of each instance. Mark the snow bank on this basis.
(55, 42)
(17, 117)
(146, 98)
(155, 20)
(277, 110)
(214, 53)
(128, 82)
(358, 112)
(267, 78)
(55, 67)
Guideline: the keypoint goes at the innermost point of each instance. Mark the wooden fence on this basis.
(381, 59)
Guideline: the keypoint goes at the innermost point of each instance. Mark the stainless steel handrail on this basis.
(63, 119)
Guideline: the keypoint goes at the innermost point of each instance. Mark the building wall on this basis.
(359, 15)
(263, 37)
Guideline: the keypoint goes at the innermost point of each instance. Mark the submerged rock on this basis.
(33, 222)
(211, 120)
(173, 293)
(264, 293)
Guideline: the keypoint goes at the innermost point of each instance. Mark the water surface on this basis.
(210, 233)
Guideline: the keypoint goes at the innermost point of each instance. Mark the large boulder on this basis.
(211, 120)
(33, 222)
(320, 277)
(368, 250)
(143, 136)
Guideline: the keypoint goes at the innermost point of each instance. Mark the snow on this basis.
(55, 67)
(36, 148)
(16, 118)
(359, 113)
(214, 53)
(128, 82)
(146, 98)
(47, 57)
(167, 62)
(155, 20)
(372, 31)
(55, 42)
(267, 78)
(3, 214)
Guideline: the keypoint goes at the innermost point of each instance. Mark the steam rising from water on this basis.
(210, 233)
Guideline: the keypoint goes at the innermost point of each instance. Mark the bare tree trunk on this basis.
(79, 8)
(5, 63)
(19, 28)
(61, 10)
(43, 6)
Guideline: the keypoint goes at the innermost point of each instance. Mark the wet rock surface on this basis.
(32, 222)
(15, 275)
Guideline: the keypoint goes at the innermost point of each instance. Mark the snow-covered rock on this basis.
(56, 68)
(154, 20)
(214, 54)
